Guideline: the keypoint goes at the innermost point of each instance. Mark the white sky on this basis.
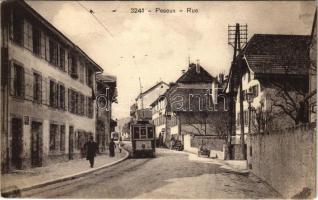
(166, 39)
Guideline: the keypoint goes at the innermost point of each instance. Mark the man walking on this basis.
(91, 148)
(112, 147)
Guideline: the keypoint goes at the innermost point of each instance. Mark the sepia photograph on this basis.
(158, 99)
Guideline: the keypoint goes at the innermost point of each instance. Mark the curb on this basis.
(16, 192)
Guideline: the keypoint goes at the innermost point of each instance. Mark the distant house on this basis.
(274, 73)
(188, 108)
(142, 109)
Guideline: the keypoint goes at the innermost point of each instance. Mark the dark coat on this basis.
(112, 145)
(91, 149)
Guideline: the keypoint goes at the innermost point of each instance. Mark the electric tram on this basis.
(143, 139)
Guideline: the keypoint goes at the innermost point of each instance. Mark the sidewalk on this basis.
(40, 176)
(237, 166)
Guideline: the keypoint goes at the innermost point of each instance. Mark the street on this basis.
(170, 175)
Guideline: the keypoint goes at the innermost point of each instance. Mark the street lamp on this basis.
(249, 98)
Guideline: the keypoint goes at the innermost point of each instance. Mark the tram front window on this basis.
(143, 133)
(150, 132)
(136, 132)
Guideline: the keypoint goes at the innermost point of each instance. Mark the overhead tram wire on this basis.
(106, 29)
(92, 13)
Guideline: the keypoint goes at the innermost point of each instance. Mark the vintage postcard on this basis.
(158, 99)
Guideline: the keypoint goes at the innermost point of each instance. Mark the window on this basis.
(62, 137)
(143, 133)
(238, 119)
(53, 94)
(53, 52)
(82, 105)
(90, 108)
(81, 71)
(28, 36)
(17, 28)
(37, 88)
(150, 132)
(36, 41)
(245, 117)
(89, 77)
(136, 132)
(255, 90)
(62, 59)
(43, 45)
(17, 81)
(61, 97)
(53, 136)
(72, 66)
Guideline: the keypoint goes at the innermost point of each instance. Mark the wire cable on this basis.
(96, 18)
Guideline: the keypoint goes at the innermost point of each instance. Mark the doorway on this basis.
(36, 144)
(17, 143)
(71, 143)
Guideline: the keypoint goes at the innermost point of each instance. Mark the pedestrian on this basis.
(172, 141)
(120, 144)
(112, 147)
(91, 149)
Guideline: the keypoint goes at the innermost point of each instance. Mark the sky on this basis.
(156, 46)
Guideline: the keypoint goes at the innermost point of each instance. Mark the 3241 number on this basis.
(137, 10)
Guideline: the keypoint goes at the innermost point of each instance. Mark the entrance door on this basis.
(36, 144)
(71, 143)
(17, 143)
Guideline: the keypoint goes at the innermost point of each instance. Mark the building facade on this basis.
(142, 109)
(274, 82)
(106, 94)
(48, 108)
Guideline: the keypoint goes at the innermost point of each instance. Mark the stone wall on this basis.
(285, 160)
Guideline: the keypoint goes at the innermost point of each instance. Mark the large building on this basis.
(274, 77)
(47, 91)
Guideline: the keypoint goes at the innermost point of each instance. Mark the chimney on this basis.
(197, 66)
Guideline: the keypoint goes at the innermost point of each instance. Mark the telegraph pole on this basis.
(237, 37)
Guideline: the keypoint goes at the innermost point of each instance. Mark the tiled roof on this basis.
(194, 76)
(278, 54)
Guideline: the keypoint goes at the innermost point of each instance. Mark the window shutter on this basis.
(66, 61)
(12, 72)
(69, 64)
(40, 89)
(25, 34)
(30, 36)
(44, 90)
(69, 100)
(28, 84)
(42, 46)
(47, 48)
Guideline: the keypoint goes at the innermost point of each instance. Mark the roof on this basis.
(106, 78)
(277, 54)
(194, 76)
(152, 88)
(50, 27)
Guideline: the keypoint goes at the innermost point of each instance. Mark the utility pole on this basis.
(237, 35)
